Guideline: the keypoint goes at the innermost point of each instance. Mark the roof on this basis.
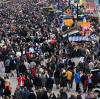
(70, 33)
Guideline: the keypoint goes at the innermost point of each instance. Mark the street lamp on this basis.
(77, 11)
(69, 2)
(58, 4)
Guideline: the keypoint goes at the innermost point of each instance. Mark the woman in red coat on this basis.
(27, 56)
(33, 71)
(21, 80)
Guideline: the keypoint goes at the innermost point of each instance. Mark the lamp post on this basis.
(77, 11)
(58, 4)
(69, 2)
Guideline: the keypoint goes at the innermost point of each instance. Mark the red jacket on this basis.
(21, 81)
(85, 83)
(28, 55)
(33, 72)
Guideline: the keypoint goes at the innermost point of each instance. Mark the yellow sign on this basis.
(85, 24)
(68, 22)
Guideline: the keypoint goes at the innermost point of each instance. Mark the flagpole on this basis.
(69, 2)
(58, 4)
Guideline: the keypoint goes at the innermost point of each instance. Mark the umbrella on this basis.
(53, 42)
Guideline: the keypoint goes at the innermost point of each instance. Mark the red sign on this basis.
(90, 7)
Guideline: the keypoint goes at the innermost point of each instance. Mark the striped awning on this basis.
(78, 38)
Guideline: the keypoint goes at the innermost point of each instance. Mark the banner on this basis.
(90, 7)
(78, 38)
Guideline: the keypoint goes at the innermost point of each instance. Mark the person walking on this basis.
(21, 80)
(69, 76)
(28, 83)
(90, 84)
(25, 93)
(17, 93)
(12, 65)
(84, 80)
(77, 80)
(63, 94)
(31, 95)
(57, 78)
(7, 66)
(49, 83)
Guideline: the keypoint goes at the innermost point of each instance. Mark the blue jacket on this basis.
(25, 94)
(77, 77)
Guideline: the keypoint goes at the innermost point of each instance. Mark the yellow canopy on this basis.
(85, 24)
(68, 22)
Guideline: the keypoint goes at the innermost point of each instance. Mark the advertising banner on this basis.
(90, 7)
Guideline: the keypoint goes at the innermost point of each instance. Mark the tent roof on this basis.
(70, 33)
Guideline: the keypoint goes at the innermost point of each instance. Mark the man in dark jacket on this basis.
(17, 94)
(32, 95)
(44, 95)
(49, 83)
(79, 96)
(37, 82)
(57, 77)
(63, 94)
(28, 83)
(25, 93)
(22, 68)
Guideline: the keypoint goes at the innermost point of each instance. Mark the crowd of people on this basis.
(25, 51)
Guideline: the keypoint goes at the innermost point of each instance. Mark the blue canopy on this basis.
(67, 17)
